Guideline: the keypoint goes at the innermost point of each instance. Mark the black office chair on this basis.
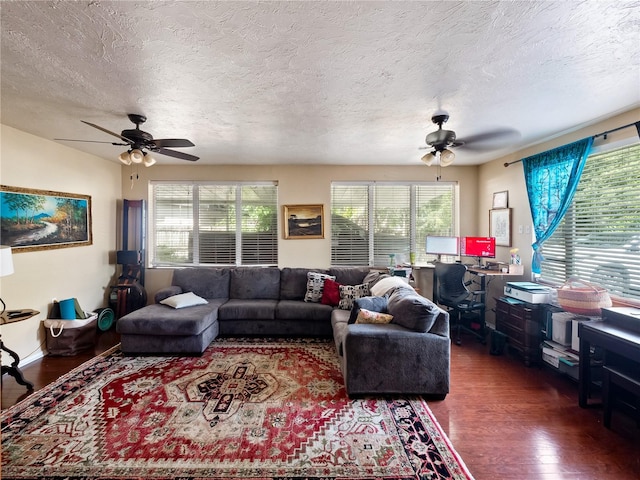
(450, 290)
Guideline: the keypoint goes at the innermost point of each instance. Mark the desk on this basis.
(617, 333)
(483, 274)
(13, 369)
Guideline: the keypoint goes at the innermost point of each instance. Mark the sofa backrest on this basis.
(293, 282)
(256, 283)
(205, 282)
(349, 275)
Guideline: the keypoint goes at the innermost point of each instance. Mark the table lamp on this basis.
(6, 267)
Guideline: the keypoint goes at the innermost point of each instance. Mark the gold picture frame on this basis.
(500, 226)
(303, 221)
(34, 220)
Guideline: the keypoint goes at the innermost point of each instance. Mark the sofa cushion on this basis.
(183, 300)
(349, 275)
(349, 293)
(205, 282)
(315, 284)
(330, 293)
(255, 283)
(374, 304)
(159, 319)
(242, 308)
(367, 316)
(303, 311)
(412, 311)
(293, 282)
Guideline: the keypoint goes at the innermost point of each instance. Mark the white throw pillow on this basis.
(182, 300)
(315, 285)
(384, 286)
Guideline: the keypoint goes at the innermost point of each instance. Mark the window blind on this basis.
(213, 224)
(599, 239)
(371, 221)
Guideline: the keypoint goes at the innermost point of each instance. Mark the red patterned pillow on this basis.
(330, 293)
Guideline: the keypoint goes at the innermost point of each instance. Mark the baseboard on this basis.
(31, 358)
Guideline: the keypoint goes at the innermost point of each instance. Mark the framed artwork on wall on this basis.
(41, 219)
(500, 200)
(500, 226)
(303, 221)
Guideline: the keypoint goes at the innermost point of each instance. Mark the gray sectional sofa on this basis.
(409, 355)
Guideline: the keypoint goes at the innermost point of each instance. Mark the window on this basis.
(598, 241)
(371, 221)
(194, 223)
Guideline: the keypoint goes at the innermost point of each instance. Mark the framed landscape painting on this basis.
(303, 221)
(41, 219)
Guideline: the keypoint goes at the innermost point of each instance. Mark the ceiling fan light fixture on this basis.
(136, 156)
(148, 160)
(429, 158)
(446, 157)
(125, 158)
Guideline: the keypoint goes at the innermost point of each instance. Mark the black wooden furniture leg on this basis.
(14, 370)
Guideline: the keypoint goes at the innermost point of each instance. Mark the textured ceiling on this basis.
(315, 82)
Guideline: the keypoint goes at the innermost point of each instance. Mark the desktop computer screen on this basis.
(481, 247)
(437, 245)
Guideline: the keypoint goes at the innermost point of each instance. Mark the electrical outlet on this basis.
(527, 229)
(520, 229)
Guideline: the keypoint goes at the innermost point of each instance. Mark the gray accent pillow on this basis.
(373, 304)
(349, 293)
(412, 311)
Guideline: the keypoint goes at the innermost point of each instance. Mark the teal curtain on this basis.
(552, 178)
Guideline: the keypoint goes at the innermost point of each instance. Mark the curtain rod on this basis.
(603, 134)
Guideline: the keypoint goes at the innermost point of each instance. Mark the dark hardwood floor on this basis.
(506, 421)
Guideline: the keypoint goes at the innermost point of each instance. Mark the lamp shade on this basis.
(148, 160)
(428, 158)
(124, 158)
(447, 157)
(6, 261)
(136, 156)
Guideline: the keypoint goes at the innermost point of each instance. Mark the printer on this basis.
(528, 292)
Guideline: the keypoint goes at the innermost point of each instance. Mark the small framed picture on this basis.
(303, 221)
(500, 200)
(500, 226)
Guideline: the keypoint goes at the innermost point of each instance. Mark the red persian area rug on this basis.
(261, 409)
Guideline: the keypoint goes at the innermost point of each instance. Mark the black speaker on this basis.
(129, 257)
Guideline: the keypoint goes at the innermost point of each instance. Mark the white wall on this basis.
(83, 272)
(298, 184)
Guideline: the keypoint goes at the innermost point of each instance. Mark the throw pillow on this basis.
(315, 284)
(412, 311)
(388, 284)
(373, 304)
(183, 300)
(348, 293)
(330, 293)
(367, 316)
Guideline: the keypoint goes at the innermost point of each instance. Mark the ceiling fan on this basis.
(442, 140)
(140, 143)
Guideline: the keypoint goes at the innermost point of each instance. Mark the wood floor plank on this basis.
(507, 421)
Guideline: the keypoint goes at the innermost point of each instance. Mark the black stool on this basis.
(614, 380)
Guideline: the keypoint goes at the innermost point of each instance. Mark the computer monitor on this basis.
(437, 245)
(480, 247)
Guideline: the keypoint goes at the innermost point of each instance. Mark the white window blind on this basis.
(370, 221)
(213, 224)
(599, 239)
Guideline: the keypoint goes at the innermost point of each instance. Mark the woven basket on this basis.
(583, 298)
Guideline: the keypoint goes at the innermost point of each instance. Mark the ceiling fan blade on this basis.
(490, 140)
(173, 142)
(88, 141)
(129, 142)
(173, 153)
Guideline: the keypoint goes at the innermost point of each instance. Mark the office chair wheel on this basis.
(458, 342)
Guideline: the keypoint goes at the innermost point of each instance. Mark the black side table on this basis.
(13, 316)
